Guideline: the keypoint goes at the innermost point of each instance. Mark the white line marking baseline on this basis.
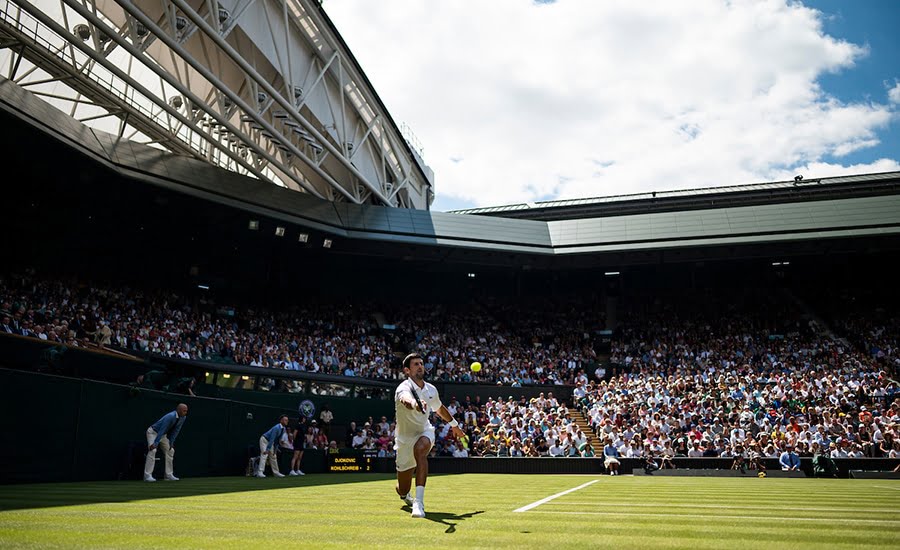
(557, 495)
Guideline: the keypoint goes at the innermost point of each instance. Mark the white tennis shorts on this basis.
(406, 458)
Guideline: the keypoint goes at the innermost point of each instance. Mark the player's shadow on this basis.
(445, 518)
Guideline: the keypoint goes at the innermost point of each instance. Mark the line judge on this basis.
(162, 435)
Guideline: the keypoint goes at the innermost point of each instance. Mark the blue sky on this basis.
(517, 100)
(872, 23)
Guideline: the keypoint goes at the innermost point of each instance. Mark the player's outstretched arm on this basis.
(454, 425)
(406, 399)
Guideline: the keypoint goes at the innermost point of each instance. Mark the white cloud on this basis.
(894, 93)
(516, 101)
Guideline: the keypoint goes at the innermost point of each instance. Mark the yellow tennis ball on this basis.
(476, 366)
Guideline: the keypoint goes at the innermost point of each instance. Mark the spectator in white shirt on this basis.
(358, 440)
(556, 449)
(696, 451)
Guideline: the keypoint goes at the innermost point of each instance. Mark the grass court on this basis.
(471, 510)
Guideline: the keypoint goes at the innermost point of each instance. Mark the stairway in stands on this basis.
(817, 322)
(585, 426)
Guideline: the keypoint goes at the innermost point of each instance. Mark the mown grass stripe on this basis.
(712, 516)
(617, 504)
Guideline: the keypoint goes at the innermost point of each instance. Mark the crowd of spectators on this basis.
(721, 373)
(334, 338)
(749, 379)
(527, 427)
(372, 436)
(539, 426)
(544, 342)
(865, 318)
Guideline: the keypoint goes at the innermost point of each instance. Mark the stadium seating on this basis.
(715, 373)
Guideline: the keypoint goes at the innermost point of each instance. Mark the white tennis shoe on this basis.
(418, 509)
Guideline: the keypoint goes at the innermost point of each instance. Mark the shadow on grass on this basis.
(48, 495)
(445, 518)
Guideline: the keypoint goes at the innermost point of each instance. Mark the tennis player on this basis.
(414, 401)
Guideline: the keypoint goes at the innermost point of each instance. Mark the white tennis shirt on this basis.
(412, 423)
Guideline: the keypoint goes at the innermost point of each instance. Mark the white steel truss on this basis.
(264, 88)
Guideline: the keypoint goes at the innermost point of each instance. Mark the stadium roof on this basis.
(701, 198)
(277, 97)
(810, 212)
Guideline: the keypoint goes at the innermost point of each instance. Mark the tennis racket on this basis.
(419, 406)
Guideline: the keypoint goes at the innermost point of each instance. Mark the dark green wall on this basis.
(61, 429)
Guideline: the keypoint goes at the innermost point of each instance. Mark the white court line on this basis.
(710, 516)
(557, 495)
(886, 487)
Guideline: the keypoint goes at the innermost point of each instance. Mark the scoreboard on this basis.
(344, 463)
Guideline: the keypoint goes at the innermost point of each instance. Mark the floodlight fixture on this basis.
(83, 31)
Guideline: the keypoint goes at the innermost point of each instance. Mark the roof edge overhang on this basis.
(826, 218)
